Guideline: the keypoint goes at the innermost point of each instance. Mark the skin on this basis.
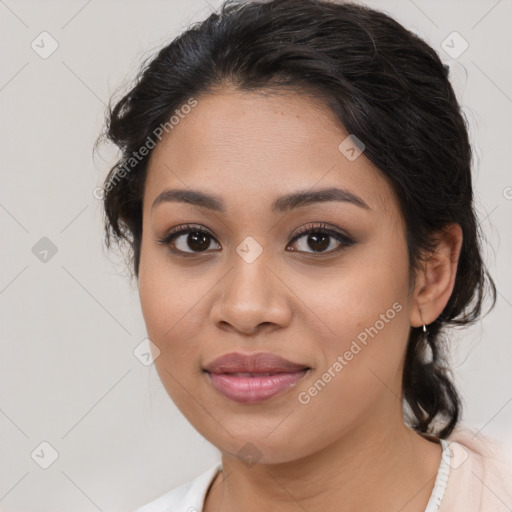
(348, 448)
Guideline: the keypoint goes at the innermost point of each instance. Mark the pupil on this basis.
(200, 239)
(319, 246)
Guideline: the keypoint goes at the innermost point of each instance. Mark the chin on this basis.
(259, 447)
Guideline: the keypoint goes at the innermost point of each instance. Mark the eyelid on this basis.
(322, 227)
(184, 228)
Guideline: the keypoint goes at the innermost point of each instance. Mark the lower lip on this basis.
(250, 390)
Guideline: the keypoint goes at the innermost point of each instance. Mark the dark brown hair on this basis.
(386, 86)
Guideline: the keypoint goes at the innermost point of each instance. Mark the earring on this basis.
(424, 326)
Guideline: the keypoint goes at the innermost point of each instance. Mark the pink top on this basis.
(480, 474)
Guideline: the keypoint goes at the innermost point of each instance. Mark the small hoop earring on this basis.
(424, 326)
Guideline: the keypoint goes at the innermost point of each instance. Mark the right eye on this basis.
(188, 239)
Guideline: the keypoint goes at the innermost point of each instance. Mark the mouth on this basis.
(253, 378)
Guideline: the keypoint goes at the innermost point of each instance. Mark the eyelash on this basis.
(320, 228)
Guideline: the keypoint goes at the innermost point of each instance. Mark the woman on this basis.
(295, 186)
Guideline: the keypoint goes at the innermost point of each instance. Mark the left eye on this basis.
(319, 239)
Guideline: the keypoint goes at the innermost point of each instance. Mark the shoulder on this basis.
(480, 470)
(186, 497)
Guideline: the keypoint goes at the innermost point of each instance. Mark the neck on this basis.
(369, 468)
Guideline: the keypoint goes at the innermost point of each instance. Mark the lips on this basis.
(259, 363)
(255, 377)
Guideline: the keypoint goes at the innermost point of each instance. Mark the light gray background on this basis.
(70, 324)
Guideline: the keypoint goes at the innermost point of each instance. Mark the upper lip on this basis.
(261, 362)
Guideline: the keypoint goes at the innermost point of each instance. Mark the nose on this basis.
(252, 298)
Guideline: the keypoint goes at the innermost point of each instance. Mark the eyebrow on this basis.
(280, 205)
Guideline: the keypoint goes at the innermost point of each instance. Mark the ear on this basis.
(436, 278)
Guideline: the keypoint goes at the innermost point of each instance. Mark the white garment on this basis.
(190, 497)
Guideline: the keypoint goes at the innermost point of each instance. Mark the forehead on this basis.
(255, 146)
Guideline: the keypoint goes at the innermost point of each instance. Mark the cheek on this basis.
(353, 296)
(169, 293)
(169, 317)
(170, 303)
(360, 372)
(364, 309)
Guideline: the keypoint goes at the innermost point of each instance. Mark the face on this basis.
(321, 283)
